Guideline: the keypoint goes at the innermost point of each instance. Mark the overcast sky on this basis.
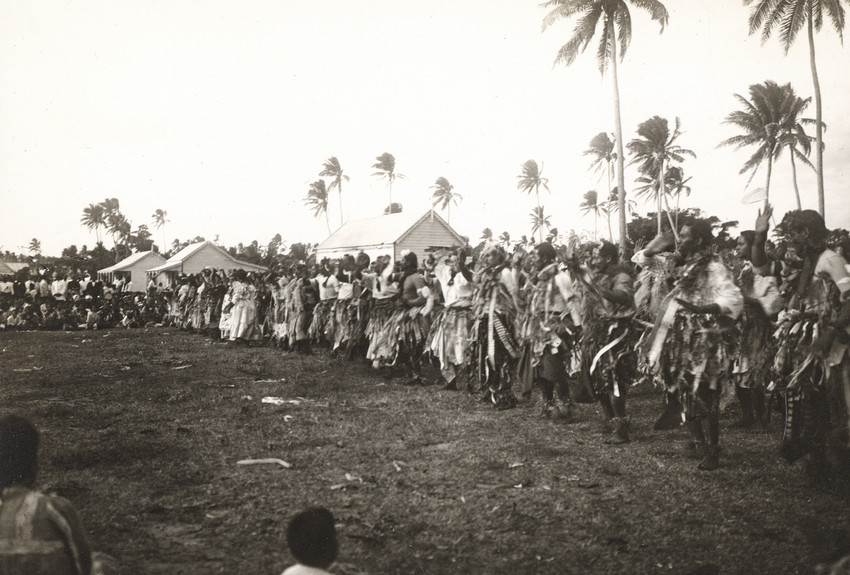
(221, 112)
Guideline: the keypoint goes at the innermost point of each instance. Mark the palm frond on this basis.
(794, 20)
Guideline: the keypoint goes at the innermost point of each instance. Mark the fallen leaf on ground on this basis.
(280, 401)
(512, 465)
(181, 367)
(280, 462)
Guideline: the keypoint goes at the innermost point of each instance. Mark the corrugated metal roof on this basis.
(177, 259)
(381, 230)
(129, 261)
(5, 269)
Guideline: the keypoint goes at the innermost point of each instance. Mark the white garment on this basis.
(299, 569)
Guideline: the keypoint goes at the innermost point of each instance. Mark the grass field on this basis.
(142, 430)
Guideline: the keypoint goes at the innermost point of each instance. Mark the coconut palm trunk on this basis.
(818, 113)
(607, 204)
(539, 211)
(794, 178)
(618, 136)
(661, 194)
(339, 194)
(767, 180)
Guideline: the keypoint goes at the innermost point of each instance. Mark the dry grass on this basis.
(142, 431)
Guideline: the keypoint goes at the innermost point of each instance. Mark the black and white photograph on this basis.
(402, 287)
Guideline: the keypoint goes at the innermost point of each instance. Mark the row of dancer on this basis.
(577, 323)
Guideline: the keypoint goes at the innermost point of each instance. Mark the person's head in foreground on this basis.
(311, 537)
(18, 452)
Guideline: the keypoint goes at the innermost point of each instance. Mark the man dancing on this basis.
(690, 341)
(607, 340)
(551, 331)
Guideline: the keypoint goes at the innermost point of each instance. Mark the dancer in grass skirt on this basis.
(494, 305)
(691, 342)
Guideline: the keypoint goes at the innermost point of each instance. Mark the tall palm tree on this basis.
(111, 206)
(539, 221)
(601, 148)
(769, 120)
(675, 185)
(445, 195)
(654, 149)
(385, 165)
(93, 219)
(331, 169)
(35, 247)
(792, 135)
(531, 180)
(789, 16)
(592, 205)
(121, 228)
(317, 200)
(486, 234)
(616, 30)
(159, 220)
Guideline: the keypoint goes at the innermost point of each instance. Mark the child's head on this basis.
(311, 537)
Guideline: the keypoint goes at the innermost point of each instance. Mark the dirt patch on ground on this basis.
(143, 430)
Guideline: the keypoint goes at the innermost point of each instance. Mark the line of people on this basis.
(580, 325)
(72, 301)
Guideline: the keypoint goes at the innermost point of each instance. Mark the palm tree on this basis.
(616, 29)
(121, 228)
(654, 149)
(111, 207)
(675, 185)
(592, 205)
(531, 179)
(601, 147)
(331, 169)
(159, 221)
(613, 205)
(539, 221)
(93, 219)
(385, 165)
(793, 136)
(445, 195)
(505, 238)
(789, 16)
(769, 120)
(35, 247)
(486, 234)
(317, 199)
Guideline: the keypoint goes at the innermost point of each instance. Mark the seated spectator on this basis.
(39, 534)
(92, 318)
(311, 537)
